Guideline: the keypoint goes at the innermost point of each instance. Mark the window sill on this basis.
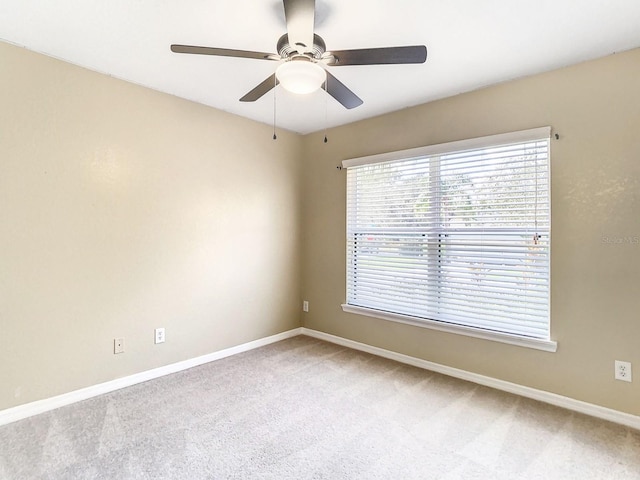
(545, 345)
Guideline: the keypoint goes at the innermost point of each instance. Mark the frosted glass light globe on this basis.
(301, 76)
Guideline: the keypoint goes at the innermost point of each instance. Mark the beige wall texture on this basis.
(595, 266)
(123, 209)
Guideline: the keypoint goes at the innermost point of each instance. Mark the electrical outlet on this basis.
(623, 371)
(118, 345)
(305, 306)
(159, 335)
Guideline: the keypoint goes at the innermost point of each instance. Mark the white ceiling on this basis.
(470, 44)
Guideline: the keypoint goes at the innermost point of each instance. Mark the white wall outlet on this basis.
(118, 345)
(159, 335)
(305, 306)
(623, 371)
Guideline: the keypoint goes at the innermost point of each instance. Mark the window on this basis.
(454, 236)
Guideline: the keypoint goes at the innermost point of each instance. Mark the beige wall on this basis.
(123, 209)
(595, 304)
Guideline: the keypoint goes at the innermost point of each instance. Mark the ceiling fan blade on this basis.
(300, 16)
(378, 56)
(223, 52)
(261, 89)
(341, 93)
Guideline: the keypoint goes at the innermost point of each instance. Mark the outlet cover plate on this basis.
(118, 345)
(159, 335)
(623, 371)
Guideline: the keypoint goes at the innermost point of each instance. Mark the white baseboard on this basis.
(34, 408)
(597, 411)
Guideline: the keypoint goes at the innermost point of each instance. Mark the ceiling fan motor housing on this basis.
(286, 51)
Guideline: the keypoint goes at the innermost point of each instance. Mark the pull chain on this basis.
(275, 84)
(325, 111)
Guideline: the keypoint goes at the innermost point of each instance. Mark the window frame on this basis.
(435, 151)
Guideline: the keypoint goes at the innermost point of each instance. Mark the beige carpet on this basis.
(306, 409)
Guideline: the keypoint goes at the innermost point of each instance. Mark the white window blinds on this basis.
(457, 233)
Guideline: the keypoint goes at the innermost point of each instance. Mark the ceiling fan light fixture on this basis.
(300, 75)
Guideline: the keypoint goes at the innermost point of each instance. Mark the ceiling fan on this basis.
(303, 55)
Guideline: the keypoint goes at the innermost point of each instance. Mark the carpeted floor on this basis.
(306, 409)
